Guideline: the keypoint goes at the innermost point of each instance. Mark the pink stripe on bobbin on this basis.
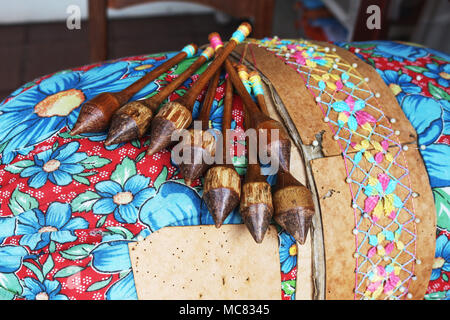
(215, 40)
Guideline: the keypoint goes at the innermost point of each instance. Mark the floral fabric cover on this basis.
(69, 205)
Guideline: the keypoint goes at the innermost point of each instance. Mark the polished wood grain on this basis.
(293, 206)
(256, 206)
(292, 201)
(262, 122)
(158, 143)
(132, 120)
(202, 142)
(95, 115)
(222, 186)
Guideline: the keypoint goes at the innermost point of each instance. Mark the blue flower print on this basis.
(426, 116)
(57, 225)
(124, 289)
(7, 227)
(139, 69)
(216, 115)
(400, 84)
(11, 258)
(439, 72)
(47, 290)
(58, 166)
(442, 257)
(175, 204)
(123, 201)
(113, 257)
(430, 119)
(39, 112)
(288, 252)
(398, 51)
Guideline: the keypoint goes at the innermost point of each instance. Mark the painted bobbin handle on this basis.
(155, 101)
(187, 52)
(243, 74)
(257, 88)
(238, 36)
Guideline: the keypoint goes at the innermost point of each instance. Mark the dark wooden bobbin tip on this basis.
(293, 205)
(200, 146)
(257, 219)
(129, 123)
(221, 192)
(256, 206)
(222, 186)
(172, 117)
(92, 117)
(280, 144)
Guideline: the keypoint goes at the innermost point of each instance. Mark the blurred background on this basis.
(42, 36)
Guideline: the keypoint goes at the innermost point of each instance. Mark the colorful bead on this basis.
(256, 83)
(244, 78)
(208, 53)
(190, 50)
(240, 34)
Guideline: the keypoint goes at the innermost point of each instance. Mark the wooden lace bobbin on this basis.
(264, 124)
(202, 142)
(222, 186)
(256, 206)
(132, 120)
(292, 201)
(256, 198)
(177, 115)
(243, 74)
(95, 115)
